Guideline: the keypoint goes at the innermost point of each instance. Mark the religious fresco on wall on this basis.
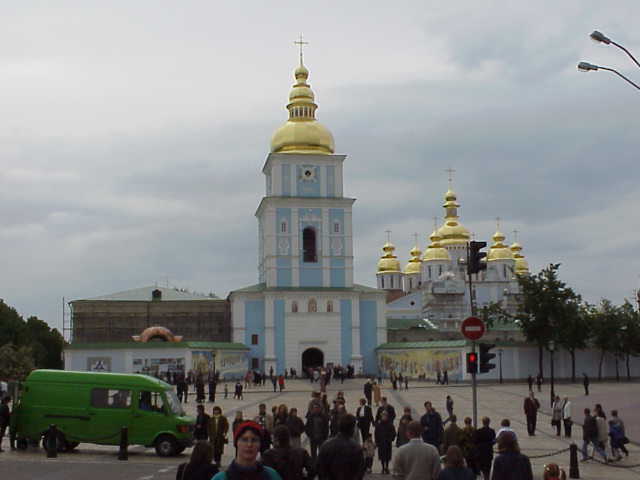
(158, 366)
(421, 362)
(227, 363)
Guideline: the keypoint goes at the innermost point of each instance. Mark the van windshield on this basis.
(173, 403)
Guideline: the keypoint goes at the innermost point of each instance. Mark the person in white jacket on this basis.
(566, 417)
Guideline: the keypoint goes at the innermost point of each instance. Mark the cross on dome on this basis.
(388, 232)
(301, 43)
(450, 171)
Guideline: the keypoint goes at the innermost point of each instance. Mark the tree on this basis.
(629, 334)
(12, 325)
(605, 324)
(544, 299)
(574, 331)
(46, 343)
(15, 362)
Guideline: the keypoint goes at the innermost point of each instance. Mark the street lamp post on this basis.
(552, 348)
(599, 37)
(500, 364)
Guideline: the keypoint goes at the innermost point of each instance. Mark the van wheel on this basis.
(61, 443)
(72, 445)
(166, 446)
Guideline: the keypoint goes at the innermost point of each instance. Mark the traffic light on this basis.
(472, 362)
(476, 263)
(486, 356)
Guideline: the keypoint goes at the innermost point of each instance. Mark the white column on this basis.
(326, 248)
(295, 247)
(356, 356)
(269, 335)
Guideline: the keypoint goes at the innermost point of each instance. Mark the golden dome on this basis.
(388, 263)
(415, 263)
(452, 232)
(521, 266)
(435, 251)
(302, 133)
(499, 251)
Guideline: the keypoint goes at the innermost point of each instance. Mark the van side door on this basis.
(149, 417)
(110, 409)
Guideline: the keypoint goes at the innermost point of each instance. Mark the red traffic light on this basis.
(473, 357)
(472, 362)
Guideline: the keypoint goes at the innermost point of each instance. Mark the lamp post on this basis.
(599, 37)
(552, 348)
(500, 364)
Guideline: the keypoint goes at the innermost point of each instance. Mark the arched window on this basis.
(313, 305)
(309, 254)
(391, 282)
(329, 306)
(294, 306)
(283, 227)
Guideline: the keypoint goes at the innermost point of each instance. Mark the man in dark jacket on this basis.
(368, 390)
(385, 407)
(484, 439)
(364, 418)
(292, 463)
(317, 429)
(201, 431)
(341, 458)
(590, 435)
(431, 423)
(296, 427)
(531, 406)
(585, 383)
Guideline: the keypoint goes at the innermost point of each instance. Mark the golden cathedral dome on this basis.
(521, 266)
(435, 251)
(388, 263)
(415, 262)
(499, 251)
(452, 232)
(302, 133)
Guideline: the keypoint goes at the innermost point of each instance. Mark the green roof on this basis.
(95, 378)
(406, 323)
(152, 345)
(145, 294)
(432, 344)
(262, 287)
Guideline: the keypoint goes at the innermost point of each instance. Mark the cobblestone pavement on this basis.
(495, 401)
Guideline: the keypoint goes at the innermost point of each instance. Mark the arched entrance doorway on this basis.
(312, 358)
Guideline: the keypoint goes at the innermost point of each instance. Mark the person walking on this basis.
(296, 428)
(218, 429)
(402, 437)
(237, 393)
(585, 383)
(199, 466)
(445, 377)
(452, 434)
(368, 391)
(200, 389)
(281, 382)
(590, 436)
(454, 468)
(5, 419)
(384, 434)
(603, 431)
(386, 407)
(212, 381)
(620, 425)
(201, 428)
(468, 446)
(247, 439)
(556, 415)
(341, 458)
(377, 393)
(416, 460)
(484, 441)
(510, 464)
(364, 418)
(616, 438)
(431, 423)
(566, 417)
(531, 406)
(369, 449)
(292, 463)
(265, 420)
(317, 429)
(281, 415)
(539, 382)
(237, 420)
(530, 382)
(449, 405)
(406, 382)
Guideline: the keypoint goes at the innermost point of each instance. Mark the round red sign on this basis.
(473, 328)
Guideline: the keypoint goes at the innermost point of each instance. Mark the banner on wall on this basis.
(227, 363)
(425, 362)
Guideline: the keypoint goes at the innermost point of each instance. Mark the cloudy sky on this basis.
(132, 135)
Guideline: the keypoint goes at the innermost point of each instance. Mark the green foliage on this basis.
(32, 338)
(15, 362)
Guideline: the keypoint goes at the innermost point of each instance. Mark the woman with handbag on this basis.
(556, 414)
(566, 417)
(218, 428)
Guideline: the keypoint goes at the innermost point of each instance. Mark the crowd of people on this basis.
(339, 444)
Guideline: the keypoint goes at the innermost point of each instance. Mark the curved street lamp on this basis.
(599, 37)
(590, 67)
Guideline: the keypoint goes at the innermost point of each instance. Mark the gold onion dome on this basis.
(388, 263)
(302, 133)
(415, 262)
(452, 232)
(435, 251)
(521, 266)
(499, 251)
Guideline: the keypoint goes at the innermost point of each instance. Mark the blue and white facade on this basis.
(306, 300)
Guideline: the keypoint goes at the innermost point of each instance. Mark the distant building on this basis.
(119, 316)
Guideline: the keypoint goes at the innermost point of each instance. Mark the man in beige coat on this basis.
(416, 460)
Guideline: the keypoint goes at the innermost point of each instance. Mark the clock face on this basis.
(308, 173)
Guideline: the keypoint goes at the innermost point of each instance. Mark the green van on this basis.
(89, 407)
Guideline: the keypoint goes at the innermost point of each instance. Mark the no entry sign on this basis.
(473, 328)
